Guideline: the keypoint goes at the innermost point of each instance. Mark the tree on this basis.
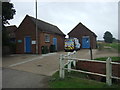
(108, 37)
(8, 12)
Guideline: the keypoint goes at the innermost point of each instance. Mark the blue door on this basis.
(85, 42)
(55, 42)
(27, 44)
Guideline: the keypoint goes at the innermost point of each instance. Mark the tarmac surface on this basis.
(20, 79)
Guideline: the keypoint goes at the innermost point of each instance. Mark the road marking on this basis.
(25, 61)
(49, 54)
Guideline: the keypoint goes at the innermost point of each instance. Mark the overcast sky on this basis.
(97, 16)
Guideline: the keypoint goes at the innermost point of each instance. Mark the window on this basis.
(47, 38)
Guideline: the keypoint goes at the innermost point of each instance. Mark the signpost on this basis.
(91, 56)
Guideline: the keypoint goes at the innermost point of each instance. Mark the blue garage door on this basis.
(27, 44)
(86, 42)
(55, 42)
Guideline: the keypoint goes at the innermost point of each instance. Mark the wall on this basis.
(80, 31)
(97, 68)
(60, 41)
(92, 38)
(27, 28)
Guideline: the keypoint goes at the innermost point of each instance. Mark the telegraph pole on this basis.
(36, 30)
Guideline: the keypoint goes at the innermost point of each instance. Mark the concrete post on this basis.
(108, 71)
(69, 64)
(74, 56)
(61, 71)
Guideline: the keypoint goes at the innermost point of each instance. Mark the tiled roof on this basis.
(47, 27)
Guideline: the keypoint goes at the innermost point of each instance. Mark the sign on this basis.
(19, 41)
(33, 42)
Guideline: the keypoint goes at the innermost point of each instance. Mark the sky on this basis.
(99, 17)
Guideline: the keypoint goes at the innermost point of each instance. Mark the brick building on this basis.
(48, 35)
(86, 37)
(11, 31)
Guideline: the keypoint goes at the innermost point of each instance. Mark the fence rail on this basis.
(76, 59)
(86, 72)
(71, 57)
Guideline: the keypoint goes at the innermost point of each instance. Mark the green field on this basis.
(104, 58)
(115, 46)
(77, 80)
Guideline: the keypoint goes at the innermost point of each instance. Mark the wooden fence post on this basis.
(61, 71)
(108, 71)
(91, 55)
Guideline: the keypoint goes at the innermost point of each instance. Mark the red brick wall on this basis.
(60, 41)
(80, 31)
(97, 68)
(27, 28)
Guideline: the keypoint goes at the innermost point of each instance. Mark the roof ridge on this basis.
(12, 26)
(41, 20)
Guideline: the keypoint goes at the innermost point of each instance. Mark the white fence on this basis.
(71, 57)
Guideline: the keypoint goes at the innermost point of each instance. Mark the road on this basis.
(20, 79)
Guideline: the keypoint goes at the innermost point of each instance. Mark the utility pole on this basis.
(36, 30)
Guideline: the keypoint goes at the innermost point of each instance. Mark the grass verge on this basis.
(76, 80)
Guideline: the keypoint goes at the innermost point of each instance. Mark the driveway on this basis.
(45, 64)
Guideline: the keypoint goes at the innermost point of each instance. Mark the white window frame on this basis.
(47, 38)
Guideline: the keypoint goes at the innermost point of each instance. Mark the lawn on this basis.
(76, 80)
(114, 45)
